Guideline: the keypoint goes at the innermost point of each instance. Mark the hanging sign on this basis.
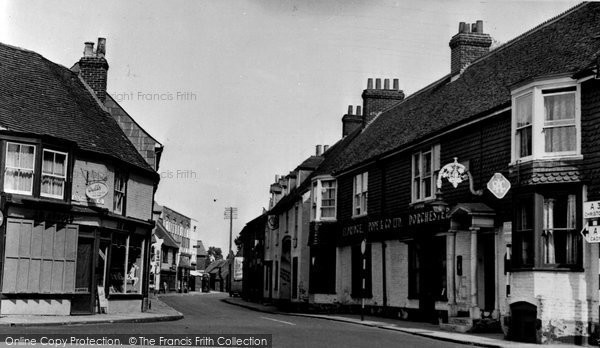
(591, 210)
(498, 185)
(96, 190)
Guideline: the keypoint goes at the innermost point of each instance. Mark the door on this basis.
(285, 272)
(84, 298)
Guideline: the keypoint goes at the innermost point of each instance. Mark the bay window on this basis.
(324, 199)
(360, 194)
(546, 121)
(546, 222)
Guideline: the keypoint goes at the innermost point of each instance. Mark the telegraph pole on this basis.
(230, 213)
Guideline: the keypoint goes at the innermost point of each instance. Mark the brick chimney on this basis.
(469, 44)
(351, 121)
(378, 99)
(93, 67)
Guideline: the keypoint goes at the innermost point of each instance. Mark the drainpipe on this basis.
(383, 247)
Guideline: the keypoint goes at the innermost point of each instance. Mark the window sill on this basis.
(574, 157)
(577, 269)
(359, 216)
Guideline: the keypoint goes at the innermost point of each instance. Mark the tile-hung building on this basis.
(76, 198)
(426, 184)
(165, 252)
(178, 226)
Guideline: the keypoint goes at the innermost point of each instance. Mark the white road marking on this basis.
(279, 321)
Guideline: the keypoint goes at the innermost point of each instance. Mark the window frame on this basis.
(419, 156)
(317, 194)
(66, 165)
(119, 174)
(33, 169)
(539, 90)
(362, 196)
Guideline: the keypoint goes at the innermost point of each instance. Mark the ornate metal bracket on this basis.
(456, 173)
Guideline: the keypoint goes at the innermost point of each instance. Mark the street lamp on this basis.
(438, 205)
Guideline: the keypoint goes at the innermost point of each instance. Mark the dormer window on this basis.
(546, 121)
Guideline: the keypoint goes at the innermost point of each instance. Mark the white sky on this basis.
(265, 81)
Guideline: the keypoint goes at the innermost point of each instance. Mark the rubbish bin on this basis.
(206, 283)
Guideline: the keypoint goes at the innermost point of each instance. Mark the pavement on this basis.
(495, 340)
(159, 311)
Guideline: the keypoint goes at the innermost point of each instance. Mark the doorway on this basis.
(84, 298)
(285, 272)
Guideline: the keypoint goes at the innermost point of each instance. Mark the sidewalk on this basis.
(414, 328)
(159, 312)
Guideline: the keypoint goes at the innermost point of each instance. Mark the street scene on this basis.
(254, 173)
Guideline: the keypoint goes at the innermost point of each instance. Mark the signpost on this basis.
(591, 212)
(363, 248)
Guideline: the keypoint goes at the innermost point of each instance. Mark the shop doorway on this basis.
(432, 267)
(486, 281)
(84, 298)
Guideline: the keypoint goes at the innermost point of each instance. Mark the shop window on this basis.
(126, 264)
(39, 258)
(360, 194)
(523, 244)
(546, 120)
(357, 272)
(120, 193)
(54, 174)
(322, 270)
(19, 168)
(560, 240)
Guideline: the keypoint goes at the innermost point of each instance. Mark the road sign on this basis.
(591, 233)
(591, 210)
(498, 185)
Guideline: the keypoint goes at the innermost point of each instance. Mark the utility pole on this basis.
(230, 213)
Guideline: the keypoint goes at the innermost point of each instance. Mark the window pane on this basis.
(116, 274)
(523, 142)
(426, 187)
(524, 110)
(26, 160)
(416, 165)
(60, 164)
(559, 107)
(560, 139)
(427, 164)
(134, 265)
(47, 163)
(12, 155)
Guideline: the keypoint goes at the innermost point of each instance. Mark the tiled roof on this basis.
(200, 249)
(563, 45)
(310, 163)
(43, 98)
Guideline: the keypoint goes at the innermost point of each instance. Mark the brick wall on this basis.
(140, 195)
(94, 70)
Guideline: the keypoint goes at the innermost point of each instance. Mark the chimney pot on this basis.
(88, 50)
(396, 84)
(480, 26)
(377, 83)
(386, 84)
(349, 109)
(101, 49)
(461, 27)
(474, 27)
(369, 83)
(358, 110)
(318, 150)
(325, 148)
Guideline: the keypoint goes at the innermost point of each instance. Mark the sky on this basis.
(239, 91)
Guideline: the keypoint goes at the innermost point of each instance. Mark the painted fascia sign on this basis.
(591, 230)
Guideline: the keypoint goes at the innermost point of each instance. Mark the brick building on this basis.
(76, 195)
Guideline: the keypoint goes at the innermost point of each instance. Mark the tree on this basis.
(215, 252)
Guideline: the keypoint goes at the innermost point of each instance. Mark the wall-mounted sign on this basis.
(591, 210)
(498, 185)
(96, 190)
(591, 233)
(454, 172)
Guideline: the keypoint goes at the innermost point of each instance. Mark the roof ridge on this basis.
(527, 33)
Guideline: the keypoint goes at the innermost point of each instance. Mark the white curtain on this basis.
(560, 116)
(549, 254)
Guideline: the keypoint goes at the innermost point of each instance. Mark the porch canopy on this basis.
(465, 216)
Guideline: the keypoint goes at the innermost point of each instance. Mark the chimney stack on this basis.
(378, 99)
(93, 67)
(318, 151)
(351, 121)
(469, 44)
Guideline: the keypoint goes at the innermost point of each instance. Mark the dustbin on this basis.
(206, 283)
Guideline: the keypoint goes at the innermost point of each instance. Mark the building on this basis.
(252, 238)
(425, 184)
(76, 195)
(465, 203)
(165, 256)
